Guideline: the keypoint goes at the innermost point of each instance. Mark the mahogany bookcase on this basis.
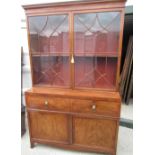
(75, 54)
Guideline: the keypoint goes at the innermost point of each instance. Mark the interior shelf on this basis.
(97, 54)
(43, 54)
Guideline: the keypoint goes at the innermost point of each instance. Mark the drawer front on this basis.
(96, 107)
(48, 103)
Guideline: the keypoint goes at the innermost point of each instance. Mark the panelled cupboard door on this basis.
(49, 126)
(95, 133)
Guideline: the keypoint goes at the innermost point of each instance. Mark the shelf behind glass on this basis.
(96, 54)
(76, 54)
(46, 54)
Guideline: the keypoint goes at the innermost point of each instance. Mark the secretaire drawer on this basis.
(48, 102)
(96, 107)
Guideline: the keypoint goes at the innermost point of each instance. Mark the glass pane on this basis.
(95, 72)
(49, 34)
(97, 33)
(53, 70)
(49, 45)
(96, 41)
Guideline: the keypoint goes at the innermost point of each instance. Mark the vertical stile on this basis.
(71, 30)
(120, 49)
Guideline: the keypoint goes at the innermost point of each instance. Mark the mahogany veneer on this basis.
(75, 54)
(58, 116)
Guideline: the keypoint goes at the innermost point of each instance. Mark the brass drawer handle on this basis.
(46, 102)
(93, 107)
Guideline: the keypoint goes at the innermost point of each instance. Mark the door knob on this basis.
(93, 107)
(72, 59)
(46, 102)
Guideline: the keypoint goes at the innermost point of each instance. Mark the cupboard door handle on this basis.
(46, 102)
(72, 59)
(93, 107)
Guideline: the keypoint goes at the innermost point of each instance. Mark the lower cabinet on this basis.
(97, 134)
(49, 126)
(73, 123)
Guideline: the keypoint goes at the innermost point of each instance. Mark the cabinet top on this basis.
(79, 2)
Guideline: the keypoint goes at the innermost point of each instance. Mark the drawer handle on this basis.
(93, 107)
(46, 102)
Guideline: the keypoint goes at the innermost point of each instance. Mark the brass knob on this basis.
(46, 102)
(93, 107)
(72, 59)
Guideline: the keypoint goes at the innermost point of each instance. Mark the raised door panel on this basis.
(95, 133)
(49, 126)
